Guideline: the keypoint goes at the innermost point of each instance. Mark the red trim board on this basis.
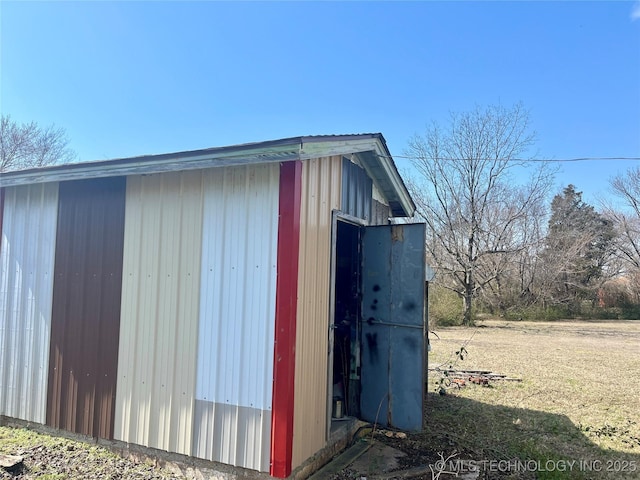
(285, 322)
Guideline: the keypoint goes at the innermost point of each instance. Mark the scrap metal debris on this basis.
(391, 434)
(459, 378)
(9, 462)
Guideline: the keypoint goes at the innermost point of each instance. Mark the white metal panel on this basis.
(159, 320)
(27, 252)
(233, 435)
(237, 315)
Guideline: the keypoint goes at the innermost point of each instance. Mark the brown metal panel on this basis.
(85, 321)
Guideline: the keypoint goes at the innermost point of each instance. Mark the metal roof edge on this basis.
(242, 149)
(390, 166)
(378, 161)
(260, 152)
(379, 164)
(312, 147)
(381, 167)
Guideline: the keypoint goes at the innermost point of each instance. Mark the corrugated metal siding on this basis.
(321, 191)
(237, 313)
(380, 209)
(27, 250)
(356, 190)
(1, 211)
(160, 303)
(85, 320)
(380, 213)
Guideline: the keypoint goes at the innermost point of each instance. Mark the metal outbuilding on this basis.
(216, 303)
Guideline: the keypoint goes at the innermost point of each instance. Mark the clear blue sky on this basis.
(131, 78)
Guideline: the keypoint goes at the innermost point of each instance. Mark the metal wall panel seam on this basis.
(27, 248)
(130, 282)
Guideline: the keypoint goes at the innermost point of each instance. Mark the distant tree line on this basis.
(502, 247)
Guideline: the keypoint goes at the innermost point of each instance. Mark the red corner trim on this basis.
(286, 305)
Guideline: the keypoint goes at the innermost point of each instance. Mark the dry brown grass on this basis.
(579, 399)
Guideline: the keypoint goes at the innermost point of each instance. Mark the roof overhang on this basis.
(371, 150)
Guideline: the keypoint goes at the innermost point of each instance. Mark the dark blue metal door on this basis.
(393, 325)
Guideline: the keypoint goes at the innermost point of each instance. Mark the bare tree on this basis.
(28, 145)
(627, 219)
(516, 271)
(466, 194)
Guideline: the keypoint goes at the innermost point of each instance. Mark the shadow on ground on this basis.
(497, 442)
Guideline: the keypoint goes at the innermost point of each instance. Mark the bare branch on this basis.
(29, 145)
(467, 197)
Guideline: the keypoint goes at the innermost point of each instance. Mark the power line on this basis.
(583, 159)
(542, 160)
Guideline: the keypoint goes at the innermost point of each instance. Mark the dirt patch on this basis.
(53, 458)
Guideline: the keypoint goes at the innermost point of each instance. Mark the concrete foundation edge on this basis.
(182, 466)
(340, 439)
(195, 468)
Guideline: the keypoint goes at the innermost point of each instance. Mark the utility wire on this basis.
(544, 160)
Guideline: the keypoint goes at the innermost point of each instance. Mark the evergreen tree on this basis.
(579, 244)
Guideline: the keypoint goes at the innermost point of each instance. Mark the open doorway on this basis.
(377, 359)
(346, 329)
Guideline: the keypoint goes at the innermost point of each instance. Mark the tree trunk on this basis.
(467, 319)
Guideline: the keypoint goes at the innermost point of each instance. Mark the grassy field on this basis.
(574, 415)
